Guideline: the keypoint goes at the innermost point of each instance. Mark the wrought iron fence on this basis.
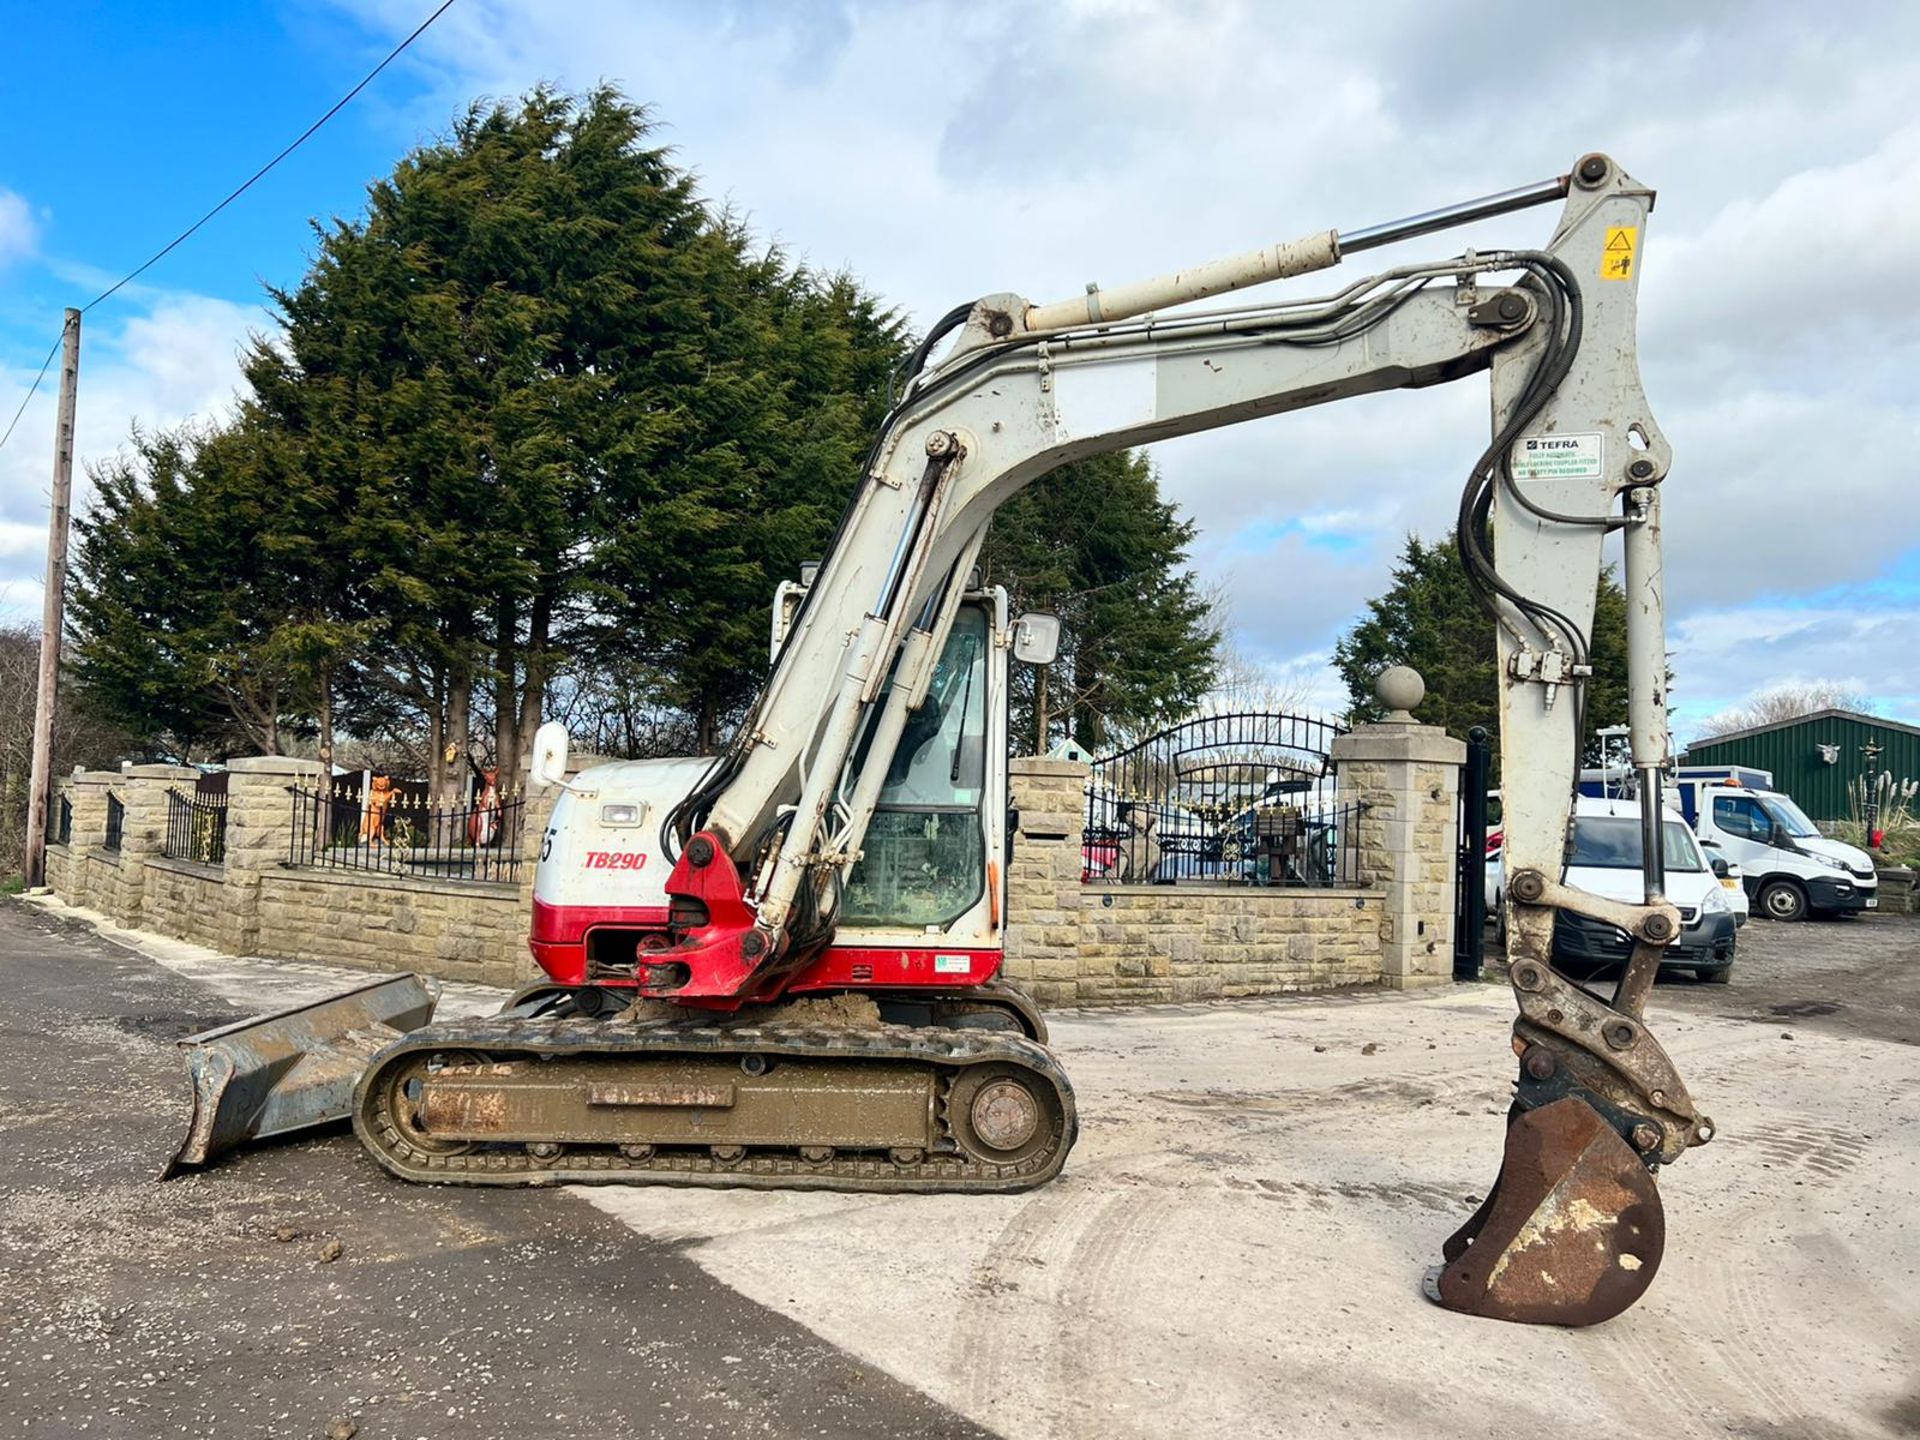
(396, 830)
(196, 828)
(63, 821)
(116, 822)
(1265, 845)
(1239, 799)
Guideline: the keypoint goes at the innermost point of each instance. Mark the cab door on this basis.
(925, 903)
(1743, 830)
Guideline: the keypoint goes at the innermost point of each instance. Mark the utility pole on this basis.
(52, 616)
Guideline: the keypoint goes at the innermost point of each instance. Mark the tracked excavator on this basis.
(780, 967)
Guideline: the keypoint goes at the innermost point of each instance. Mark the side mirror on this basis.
(1036, 638)
(1721, 869)
(549, 755)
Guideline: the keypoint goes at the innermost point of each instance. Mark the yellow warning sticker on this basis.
(1616, 259)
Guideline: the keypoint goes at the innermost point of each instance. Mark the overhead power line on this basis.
(232, 196)
(52, 350)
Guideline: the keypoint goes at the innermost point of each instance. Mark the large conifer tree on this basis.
(1427, 618)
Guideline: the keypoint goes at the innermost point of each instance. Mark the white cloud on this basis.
(1722, 656)
(18, 539)
(176, 358)
(1822, 263)
(19, 231)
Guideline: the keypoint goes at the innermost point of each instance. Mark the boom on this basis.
(1575, 454)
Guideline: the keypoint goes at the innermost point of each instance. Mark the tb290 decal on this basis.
(615, 860)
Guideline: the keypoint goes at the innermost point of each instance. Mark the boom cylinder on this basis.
(1275, 262)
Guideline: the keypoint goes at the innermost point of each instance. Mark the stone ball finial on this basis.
(1399, 688)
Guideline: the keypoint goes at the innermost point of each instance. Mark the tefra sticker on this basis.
(1560, 457)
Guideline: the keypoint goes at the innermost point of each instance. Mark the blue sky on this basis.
(181, 103)
(1104, 139)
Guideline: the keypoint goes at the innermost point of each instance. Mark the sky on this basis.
(943, 151)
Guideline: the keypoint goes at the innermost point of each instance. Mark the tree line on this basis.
(537, 434)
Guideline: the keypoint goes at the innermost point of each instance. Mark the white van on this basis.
(1606, 861)
(1791, 869)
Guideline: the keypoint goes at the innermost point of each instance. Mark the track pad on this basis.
(1571, 1234)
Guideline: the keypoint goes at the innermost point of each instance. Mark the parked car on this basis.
(1606, 861)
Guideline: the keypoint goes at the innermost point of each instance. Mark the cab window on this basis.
(1741, 815)
(924, 858)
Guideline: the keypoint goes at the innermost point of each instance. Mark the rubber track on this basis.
(500, 1039)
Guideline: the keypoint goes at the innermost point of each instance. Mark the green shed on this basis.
(1814, 757)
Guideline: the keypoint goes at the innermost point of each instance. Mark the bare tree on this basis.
(1244, 684)
(1785, 702)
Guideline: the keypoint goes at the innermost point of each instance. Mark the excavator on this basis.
(780, 966)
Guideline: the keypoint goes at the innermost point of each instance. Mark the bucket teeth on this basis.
(1571, 1234)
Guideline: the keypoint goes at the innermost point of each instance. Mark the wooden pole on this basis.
(52, 616)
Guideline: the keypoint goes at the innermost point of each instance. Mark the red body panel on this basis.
(559, 938)
(559, 945)
(862, 967)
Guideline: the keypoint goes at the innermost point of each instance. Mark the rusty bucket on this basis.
(294, 1068)
(1571, 1233)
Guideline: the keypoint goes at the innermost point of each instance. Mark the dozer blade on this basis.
(294, 1068)
(1571, 1234)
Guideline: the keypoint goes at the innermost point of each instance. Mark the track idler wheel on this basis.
(998, 1115)
(1571, 1234)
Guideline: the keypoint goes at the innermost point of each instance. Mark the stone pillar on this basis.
(259, 826)
(88, 789)
(143, 831)
(58, 874)
(1044, 893)
(1408, 776)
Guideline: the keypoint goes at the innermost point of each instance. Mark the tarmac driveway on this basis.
(209, 1306)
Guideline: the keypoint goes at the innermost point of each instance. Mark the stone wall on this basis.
(1069, 943)
(1093, 944)
(473, 931)
(1898, 895)
(185, 900)
(255, 903)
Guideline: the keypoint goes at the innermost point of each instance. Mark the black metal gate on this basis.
(1240, 799)
(1470, 869)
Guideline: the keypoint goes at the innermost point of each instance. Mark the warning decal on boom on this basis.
(1616, 258)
